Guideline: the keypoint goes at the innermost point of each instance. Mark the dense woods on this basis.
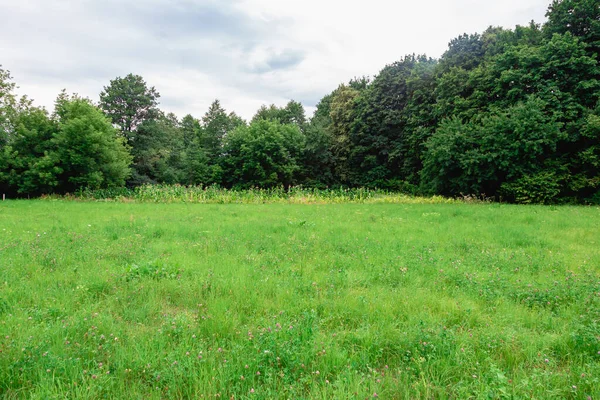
(508, 114)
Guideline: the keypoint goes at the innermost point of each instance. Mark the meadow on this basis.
(274, 300)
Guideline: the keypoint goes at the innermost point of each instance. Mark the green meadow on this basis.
(133, 300)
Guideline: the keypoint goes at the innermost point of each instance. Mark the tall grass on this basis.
(217, 195)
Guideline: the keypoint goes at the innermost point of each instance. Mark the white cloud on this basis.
(244, 52)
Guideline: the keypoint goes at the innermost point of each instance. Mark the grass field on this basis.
(268, 301)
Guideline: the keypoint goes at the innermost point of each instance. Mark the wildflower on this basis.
(375, 394)
(94, 377)
(317, 373)
(257, 372)
(546, 361)
(252, 390)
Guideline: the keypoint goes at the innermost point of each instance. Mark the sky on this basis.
(243, 52)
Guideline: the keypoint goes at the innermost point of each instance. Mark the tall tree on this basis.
(379, 132)
(216, 124)
(317, 160)
(191, 129)
(342, 114)
(129, 102)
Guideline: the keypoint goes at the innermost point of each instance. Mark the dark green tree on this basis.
(581, 18)
(264, 154)
(129, 102)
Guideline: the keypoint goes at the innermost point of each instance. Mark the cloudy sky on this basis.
(243, 52)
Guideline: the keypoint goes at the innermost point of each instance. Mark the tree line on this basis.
(512, 114)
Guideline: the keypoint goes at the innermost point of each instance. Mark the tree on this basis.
(217, 124)
(581, 18)
(159, 152)
(342, 114)
(27, 167)
(192, 130)
(379, 133)
(493, 156)
(7, 103)
(75, 148)
(129, 102)
(87, 149)
(317, 161)
(264, 154)
(292, 113)
(465, 51)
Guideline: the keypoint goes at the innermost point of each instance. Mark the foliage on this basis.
(508, 114)
(479, 158)
(129, 102)
(76, 147)
(264, 154)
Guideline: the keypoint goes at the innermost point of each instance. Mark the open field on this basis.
(265, 301)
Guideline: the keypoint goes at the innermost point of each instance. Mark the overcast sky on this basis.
(243, 52)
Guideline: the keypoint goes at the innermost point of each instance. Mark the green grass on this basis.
(266, 301)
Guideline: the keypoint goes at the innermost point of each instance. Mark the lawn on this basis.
(268, 301)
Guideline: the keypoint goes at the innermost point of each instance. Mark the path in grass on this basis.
(122, 300)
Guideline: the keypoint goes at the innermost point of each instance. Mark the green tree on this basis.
(292, 113)
(264, 154)
(380, 132)
(192, 130)
(581, 18)
(493, 155)
(317, 160)
(216, 125)
(87, 149)
(159, 152)
(342, 114)
(129, 102)
(27, 167)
